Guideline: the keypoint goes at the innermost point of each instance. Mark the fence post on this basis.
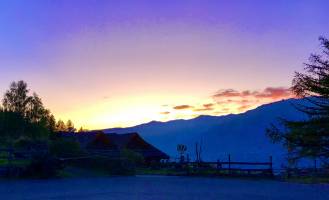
(10, 160)
(271, 165)
(315, 167)
(229, 163)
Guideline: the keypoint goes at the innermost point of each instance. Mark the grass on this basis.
(191, 172)
(166, 172)
(308, 179)
(74, 172)
(17, 163)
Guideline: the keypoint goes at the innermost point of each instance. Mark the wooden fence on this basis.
(232, 168)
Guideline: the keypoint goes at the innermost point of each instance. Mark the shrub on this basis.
(135, 158)
(42, 166)
(106, 165)
(60, 147)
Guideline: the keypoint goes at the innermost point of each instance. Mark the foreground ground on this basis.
(159, 187)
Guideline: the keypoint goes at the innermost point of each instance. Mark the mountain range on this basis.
(243, 136)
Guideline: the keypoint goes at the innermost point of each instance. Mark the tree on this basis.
(12, 126)
(51, 122)
(16, 98)
(81, 130)
(24, 115)
(60, 126)
(310, 137)
(35, 110)
(70, 126)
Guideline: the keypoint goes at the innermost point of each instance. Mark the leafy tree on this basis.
(51, 122)
(24, 115)
(34, 109)
(65, 147)
(16, 98)
(310, 137)
(12, 126)
(60, 126)
(81, 130)
(70, 126)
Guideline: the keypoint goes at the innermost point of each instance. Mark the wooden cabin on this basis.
(98, 140)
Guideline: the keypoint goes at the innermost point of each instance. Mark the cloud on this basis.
(243, 107)
(267, 93)
(234, 101)
(244, 101)
(182, 107)
(275, 93)
(227, 93)
(219, 112)
(238, 101)
(203, 109)
(165, 113)
(208, 105)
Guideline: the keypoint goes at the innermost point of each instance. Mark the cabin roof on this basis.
(132, 141)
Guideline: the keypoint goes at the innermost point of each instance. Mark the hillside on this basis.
(242, 135)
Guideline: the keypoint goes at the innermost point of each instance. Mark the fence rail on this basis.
(232, 168)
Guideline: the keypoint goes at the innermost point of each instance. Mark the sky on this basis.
(104, 63)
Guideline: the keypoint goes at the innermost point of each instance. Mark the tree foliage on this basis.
(61, 126)
(24, 115)
(25, 124)
(70, 126)
(16, 98)
(310, 137)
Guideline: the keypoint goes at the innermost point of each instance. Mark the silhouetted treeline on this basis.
(27, 126)
(23, 115)
(309, 138)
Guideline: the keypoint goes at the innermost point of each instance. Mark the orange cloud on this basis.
(227, 93)
(243, 107)
(275, 93)
(229, 101)
(225, 109)
(208, 105)
(182, 107)
(203, 109)
(269, 92)
(165, 113)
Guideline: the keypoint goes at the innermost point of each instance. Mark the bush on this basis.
(135, 158)
(60, 147)
(106, 165)
(42, 166)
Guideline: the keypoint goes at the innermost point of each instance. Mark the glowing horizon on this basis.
(105, 64)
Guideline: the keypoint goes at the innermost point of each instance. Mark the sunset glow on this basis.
(109, 64)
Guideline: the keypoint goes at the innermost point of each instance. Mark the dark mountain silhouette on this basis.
(242, 135)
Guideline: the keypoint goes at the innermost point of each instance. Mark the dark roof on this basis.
(132, 141)
(135, 142)
(84, 138)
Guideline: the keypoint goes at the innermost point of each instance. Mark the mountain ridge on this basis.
(241, 135)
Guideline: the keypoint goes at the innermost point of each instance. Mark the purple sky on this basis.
(119, 63)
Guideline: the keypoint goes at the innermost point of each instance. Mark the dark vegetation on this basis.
(309, 138)
(31, 147)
